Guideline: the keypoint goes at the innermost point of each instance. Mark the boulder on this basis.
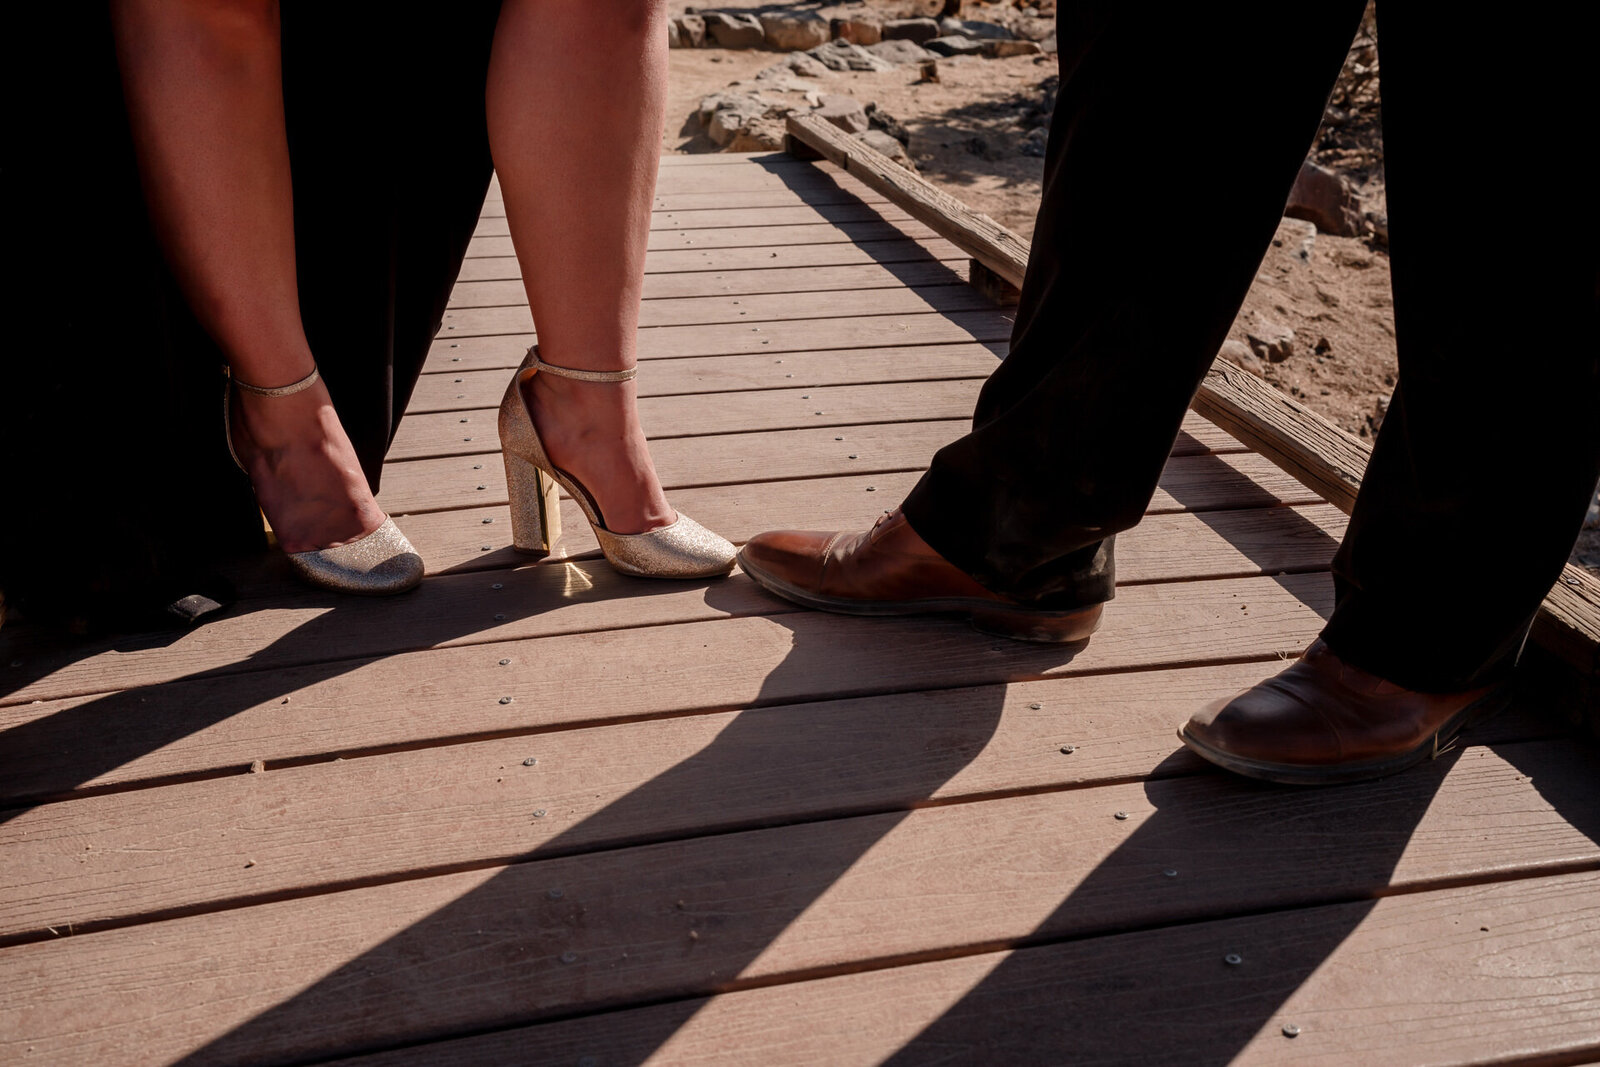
(1324, 199)
(954, 46)
(727, 115)
(845, 112)
(916, 30)
(882, 142)
(900, 52)
(1270, 341)
(795, 32)
(673, 38)
(842, 55)
(729, 30)
(759, 135)
(859, 30)
(691, 31)
(1004, 49)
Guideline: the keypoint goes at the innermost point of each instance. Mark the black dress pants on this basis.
(1192, 122)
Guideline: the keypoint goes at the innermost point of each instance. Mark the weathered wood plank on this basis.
(473, 952)
(666, 663)
(741, 309)
(978, 235)
(285, 628)
(741, 282)
(1188, 483)
(758, 257)
(455, 390)
(732, 339)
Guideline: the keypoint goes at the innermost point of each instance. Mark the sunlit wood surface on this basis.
(540, 813)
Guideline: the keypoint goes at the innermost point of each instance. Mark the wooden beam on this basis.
(1303, 443)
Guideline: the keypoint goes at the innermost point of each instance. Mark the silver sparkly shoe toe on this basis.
(380, 563)
(683, 549)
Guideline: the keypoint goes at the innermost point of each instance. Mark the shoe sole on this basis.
(1442, 740)
(1018, 624)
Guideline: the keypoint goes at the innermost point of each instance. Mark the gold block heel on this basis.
(535, 506)
(683, 549)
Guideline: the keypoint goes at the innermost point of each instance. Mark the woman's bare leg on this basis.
(576, 100)
(204, 88)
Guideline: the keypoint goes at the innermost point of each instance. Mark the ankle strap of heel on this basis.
(283, 390)
(535, 364)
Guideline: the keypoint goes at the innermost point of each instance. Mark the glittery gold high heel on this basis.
(684, 549)
(380, 563)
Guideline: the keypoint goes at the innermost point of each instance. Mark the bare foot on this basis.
(304, 469)
(591, 431)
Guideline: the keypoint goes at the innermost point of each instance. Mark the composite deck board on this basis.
(510, 293)
(818, 233)
(445, 390)
(1459, 976)
(418, 959)
(308, 828)
(774, 255)
(700, 649)
(953, 295)
(1206, 482)
(288, 629)
(800, 213)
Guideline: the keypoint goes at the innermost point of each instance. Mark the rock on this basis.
(882, 120)
(1034, 141)
(1270, 341)
(1238, 353)
(928, 70)
(691, 31)
(729, 115)
(674, 39)
(845, 112)
(899, 52)
(1326, 200)
(1033, 28)
(914, 30)
(731, 30)
(1004, 49)
(800, 63)
(795, 33)
(761, 135)
(954, 46)
(882, 142)
(977, 30)
(842, 55)
(1380, 409)
(858, 30)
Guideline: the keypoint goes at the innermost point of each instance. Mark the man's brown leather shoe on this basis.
(890, 570)
(1323, 721)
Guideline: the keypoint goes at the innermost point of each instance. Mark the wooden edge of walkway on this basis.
(1307, 446)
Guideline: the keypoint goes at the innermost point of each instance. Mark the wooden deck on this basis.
(540, 813)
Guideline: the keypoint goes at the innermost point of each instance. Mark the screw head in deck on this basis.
(1233, 959)
(555, 894)
(1291, 1030)
(569, 957)
(539, 814)
(1120, 816)
(505, 700)
(1170, 872)
(1036, 705)
(505, 663)
(531, 761)
(1067, 750)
